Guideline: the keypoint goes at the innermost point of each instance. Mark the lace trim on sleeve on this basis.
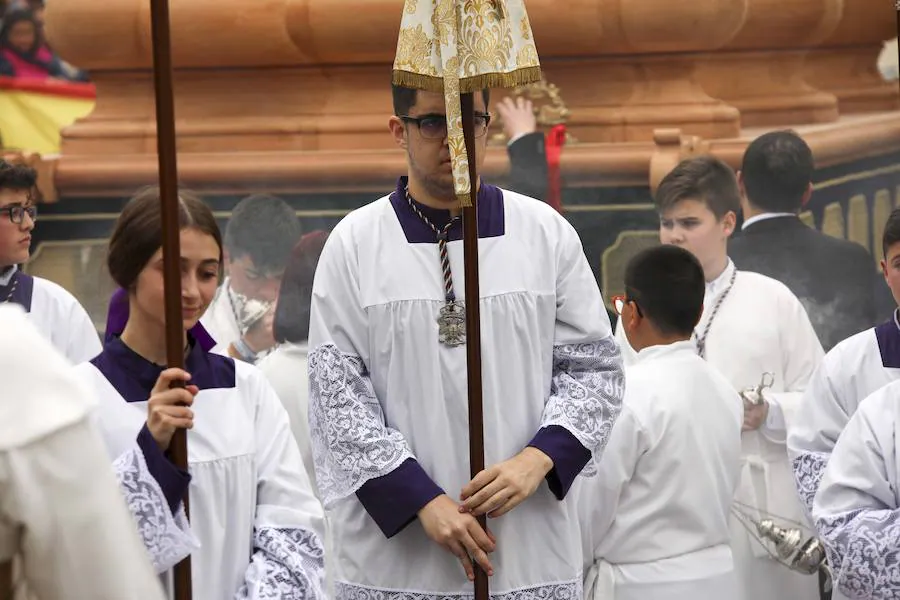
(289, 564)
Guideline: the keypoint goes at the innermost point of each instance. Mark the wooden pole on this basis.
(473, 322)
(171, 233)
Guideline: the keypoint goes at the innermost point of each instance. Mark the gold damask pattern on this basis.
(462, 46)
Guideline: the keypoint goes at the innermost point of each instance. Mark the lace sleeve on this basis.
(350, 441)
(167, 537)
(808, 470)
(863, 548)
(287, 564)
(586, 391)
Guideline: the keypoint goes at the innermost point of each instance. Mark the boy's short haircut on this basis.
(667, 284)
(705, 179)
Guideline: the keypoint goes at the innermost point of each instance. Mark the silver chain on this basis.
(701, 340)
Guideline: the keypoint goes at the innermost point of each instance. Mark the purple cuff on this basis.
(173, 481)
(568, 455)
(393, 500)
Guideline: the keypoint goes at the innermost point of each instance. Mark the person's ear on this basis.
(398, 131)
(729, 222)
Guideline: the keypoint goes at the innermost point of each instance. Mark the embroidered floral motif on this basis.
(586, 392)
(553, 591)
(167, 538)
(288, 564)
(863, 550)
(351, 443)
(808, 470)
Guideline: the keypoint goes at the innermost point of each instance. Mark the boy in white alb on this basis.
(54, 311)
(655, 518)
(752, 328)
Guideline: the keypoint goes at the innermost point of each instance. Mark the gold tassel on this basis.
(465, 200)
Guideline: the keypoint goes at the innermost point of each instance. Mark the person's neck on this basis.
(658, 339)
(420, 195)
(148, 341)
(716, 268)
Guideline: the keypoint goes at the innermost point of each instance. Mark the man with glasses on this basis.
(53, 310)
(388, 401)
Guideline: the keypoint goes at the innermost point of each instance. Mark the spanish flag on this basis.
(33, 112)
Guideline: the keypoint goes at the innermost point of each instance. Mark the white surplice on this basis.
(57, 315)
(656, 517)
(287, 369)
(761, 327)
(253, 514)
(61, 514)
(857, 507)
(386, 395)
(855, 368)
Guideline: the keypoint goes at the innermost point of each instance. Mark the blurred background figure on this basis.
(833, 278)
(286, 367)
(65, 531)
(24, 53)
(258, 241)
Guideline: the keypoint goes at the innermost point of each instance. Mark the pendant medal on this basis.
(452, 324)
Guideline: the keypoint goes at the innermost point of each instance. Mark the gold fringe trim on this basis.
(468, 85)
(465, 200)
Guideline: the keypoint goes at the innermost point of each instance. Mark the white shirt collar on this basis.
(721, 282)
(763, 217)
(6, 276)
(654, 352)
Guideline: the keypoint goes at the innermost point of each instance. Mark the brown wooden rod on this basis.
(473, 322)
(171, 233)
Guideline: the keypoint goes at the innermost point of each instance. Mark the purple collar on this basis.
(134, 376)
(491, 221)
(23, 292)
(117, 318)
(888, 336)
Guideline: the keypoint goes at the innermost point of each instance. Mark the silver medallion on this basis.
(452, 324)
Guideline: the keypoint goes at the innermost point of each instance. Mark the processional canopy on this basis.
(463, 46)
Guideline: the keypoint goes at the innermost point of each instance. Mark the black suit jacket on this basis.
(834, 279)
(528, 170)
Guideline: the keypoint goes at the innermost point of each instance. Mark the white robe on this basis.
(857, 507)
(855, 368)
(58, 316)
(61, 513)
(287, 370)
(258, 524)
(762, 327)
(388, 402)
(656, 517)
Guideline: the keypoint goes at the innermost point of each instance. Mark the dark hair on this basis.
(295, 296)
(137, 234)
(14, 17)
(263, 228)
(891, 233)
(405, 99)
(667, 283)
(777, 169)
(703, 178)
(19, 178)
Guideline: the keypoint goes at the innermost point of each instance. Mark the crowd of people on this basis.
(324, 392)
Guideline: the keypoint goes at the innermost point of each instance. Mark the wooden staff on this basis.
(473, 322)
(171, 232)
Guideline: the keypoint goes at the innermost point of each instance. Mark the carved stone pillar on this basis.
(637, 65)
(846, 62)
(768, 86)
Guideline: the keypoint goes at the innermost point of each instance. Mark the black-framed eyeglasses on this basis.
(17, 212)
(434, 127)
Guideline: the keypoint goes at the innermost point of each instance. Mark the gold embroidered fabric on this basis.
(463, 46)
